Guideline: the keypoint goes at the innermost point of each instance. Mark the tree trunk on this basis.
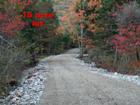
(33, 58)
(137, 54)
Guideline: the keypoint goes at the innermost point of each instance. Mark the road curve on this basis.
(71, 83)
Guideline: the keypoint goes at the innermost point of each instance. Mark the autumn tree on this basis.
(12, 55)
(20, 42)
(127, 40)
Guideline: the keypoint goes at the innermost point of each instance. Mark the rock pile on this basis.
(31, 88)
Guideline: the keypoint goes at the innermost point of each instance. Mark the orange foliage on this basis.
(135, 64)
(94, 3)
(59, 29)
(63, 18)
(72, 17)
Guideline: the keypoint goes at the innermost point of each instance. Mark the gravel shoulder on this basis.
(69, 82)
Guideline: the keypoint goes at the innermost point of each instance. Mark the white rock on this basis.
(31, 87)
(19, 94)
(15, 100)
(115, 73)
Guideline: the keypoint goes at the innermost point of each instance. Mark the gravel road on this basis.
(71, 83)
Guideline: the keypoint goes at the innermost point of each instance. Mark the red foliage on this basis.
(9, 25)
(127, 39)
(106, 66)
(3, 17)
(20, 2)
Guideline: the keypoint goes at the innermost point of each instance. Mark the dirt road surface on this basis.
(71, 83)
